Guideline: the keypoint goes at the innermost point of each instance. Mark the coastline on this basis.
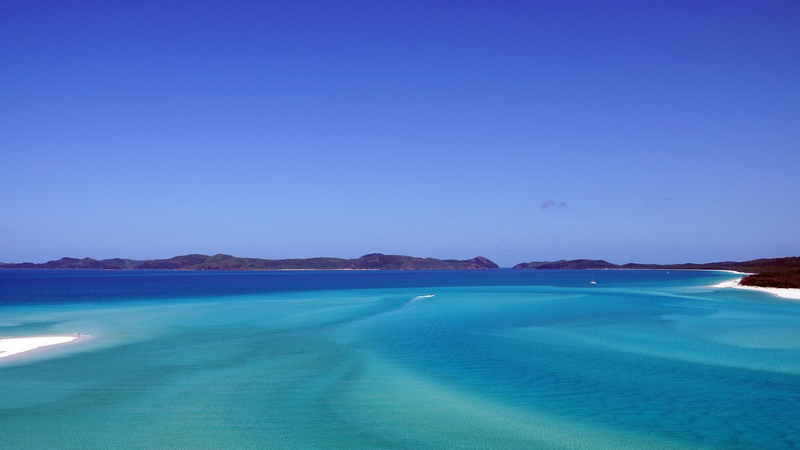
(10, 346)
(793, 294)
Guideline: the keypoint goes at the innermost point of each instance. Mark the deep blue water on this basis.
(349, 359)
(82, 286)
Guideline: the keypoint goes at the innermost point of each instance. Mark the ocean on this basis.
(500, 359)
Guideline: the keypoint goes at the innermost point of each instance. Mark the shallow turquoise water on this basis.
(350, 360)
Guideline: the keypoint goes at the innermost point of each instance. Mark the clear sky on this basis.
(631, 131)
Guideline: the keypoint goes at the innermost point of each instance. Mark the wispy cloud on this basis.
(549, 203)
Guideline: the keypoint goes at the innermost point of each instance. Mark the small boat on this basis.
(593, 282)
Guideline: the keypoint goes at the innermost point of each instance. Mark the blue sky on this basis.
(521, 131)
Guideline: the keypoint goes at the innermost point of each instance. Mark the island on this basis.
(372, 261)
(765, 272)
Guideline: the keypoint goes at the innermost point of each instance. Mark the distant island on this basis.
(774, 272)
(768, 272)
(372, 261)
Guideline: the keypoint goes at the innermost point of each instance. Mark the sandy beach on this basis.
(783, 293)
(14, 345)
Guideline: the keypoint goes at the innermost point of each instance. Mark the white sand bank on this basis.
(12, 346)
(783, 293)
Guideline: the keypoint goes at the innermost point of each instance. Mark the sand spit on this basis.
(793, 294)
(14, 345)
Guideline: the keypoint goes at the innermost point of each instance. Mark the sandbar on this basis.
(793, 294)
(15, 345)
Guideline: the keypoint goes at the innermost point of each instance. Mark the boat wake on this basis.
(418, 298)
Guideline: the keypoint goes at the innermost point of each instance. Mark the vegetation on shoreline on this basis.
(789, 279)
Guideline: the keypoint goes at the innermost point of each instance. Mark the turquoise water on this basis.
(369, 360)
